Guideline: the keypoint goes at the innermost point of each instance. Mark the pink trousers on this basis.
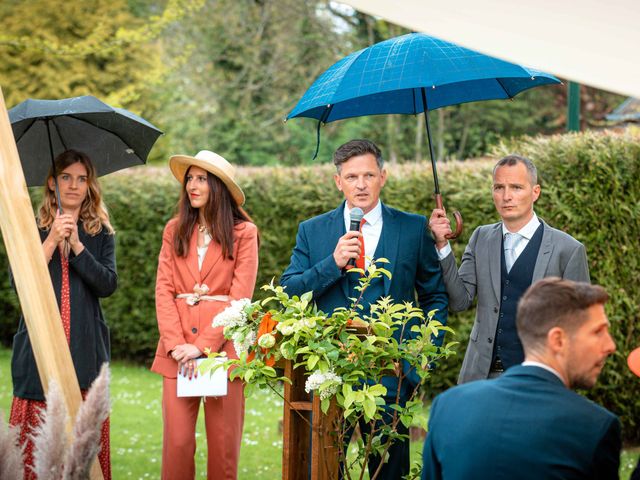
(223, 418)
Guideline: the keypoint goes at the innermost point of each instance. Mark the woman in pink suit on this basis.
(209, 257)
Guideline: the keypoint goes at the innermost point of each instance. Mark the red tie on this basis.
(360, 259)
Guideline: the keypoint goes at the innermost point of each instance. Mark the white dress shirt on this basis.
(371, 230)
(531, 363)
(526, 232)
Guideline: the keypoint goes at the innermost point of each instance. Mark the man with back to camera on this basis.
(500, 262)
(325, 245)
(528, 424)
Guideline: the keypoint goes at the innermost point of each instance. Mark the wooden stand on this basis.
(299, 458)
(31, 277)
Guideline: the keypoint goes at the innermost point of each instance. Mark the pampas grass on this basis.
(88, 427)
(54, 458)
(49, 437)
(10, 452)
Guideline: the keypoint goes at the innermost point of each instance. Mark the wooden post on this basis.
(296, 438)
(31, 277)
(307, 452)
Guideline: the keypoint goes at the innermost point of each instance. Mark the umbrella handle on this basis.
(458, 217)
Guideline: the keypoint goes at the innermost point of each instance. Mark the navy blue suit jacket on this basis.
(404, 241)
(525, 424)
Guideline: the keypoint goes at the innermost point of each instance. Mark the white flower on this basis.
(267, 340)
(242, 342)
(233, 315)
(284, 329)
(309, 322)
(329, 380)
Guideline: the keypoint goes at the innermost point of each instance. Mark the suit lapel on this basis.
(211, 258)
(336, 229)
(544, 254)
(495, 258)
(390, 243)
(192, 256)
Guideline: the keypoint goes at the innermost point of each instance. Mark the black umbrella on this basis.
(113, 138)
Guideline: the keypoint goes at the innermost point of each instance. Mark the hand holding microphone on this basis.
(348, 247)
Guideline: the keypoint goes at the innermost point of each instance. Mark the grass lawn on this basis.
(136, 428)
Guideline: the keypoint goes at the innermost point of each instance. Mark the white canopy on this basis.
(592, 42)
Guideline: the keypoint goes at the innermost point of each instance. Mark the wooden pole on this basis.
(31, 277)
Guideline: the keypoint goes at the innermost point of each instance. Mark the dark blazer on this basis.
(525, 424)
(92, 275)
(405, 243)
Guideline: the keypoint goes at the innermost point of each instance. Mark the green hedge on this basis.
(591, 189)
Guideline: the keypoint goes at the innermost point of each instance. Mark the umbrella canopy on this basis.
(413, 74)
(390, 77)
(114, 138)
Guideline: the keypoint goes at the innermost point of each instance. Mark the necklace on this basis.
(202, 228)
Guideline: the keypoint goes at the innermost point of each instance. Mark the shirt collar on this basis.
(527, 231)
(372, 217)
(531, 363)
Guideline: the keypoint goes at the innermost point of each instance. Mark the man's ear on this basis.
(556, 340)
(338, 180)
(536, 192)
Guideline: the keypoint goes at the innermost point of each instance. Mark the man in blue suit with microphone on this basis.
(529, 424)
(326, 245)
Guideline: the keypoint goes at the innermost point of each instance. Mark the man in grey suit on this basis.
(500, 262)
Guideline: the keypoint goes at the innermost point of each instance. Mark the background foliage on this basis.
(591, 189)
(224, 74)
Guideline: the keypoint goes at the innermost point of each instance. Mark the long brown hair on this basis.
(93, 211)
(221, 214)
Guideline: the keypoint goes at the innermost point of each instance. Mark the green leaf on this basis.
(369, 409)
(378, 390)
(312, 361)
(324, 405)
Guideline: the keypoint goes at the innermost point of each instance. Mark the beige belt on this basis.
(200, 294)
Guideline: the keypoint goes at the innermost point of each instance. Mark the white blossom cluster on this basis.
(267, 340)
(242, 341)
(286, 328)
(317, 379)
(233, 317)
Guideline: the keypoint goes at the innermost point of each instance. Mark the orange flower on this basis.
(267, 325)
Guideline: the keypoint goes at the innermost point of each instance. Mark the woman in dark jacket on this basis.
(79, 245)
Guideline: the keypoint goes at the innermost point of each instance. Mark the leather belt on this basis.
(497, 366)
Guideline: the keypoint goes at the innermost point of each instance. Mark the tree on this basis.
(238, 68)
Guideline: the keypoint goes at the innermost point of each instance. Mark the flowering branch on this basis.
(342, 364)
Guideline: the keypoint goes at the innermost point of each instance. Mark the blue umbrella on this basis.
(413, 74)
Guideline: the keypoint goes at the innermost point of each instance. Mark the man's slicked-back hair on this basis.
(511, 160)
(554, 302)
(355, 148)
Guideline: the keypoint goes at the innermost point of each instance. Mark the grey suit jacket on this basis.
(560, 255)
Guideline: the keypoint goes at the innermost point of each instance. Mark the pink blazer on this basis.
(179, 322)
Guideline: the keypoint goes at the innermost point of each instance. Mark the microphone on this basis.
(355, 216)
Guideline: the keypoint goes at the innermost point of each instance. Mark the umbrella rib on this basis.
(26, 130)
(64, 144)
(504, 89)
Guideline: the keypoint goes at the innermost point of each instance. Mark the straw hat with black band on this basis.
(212, 163)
